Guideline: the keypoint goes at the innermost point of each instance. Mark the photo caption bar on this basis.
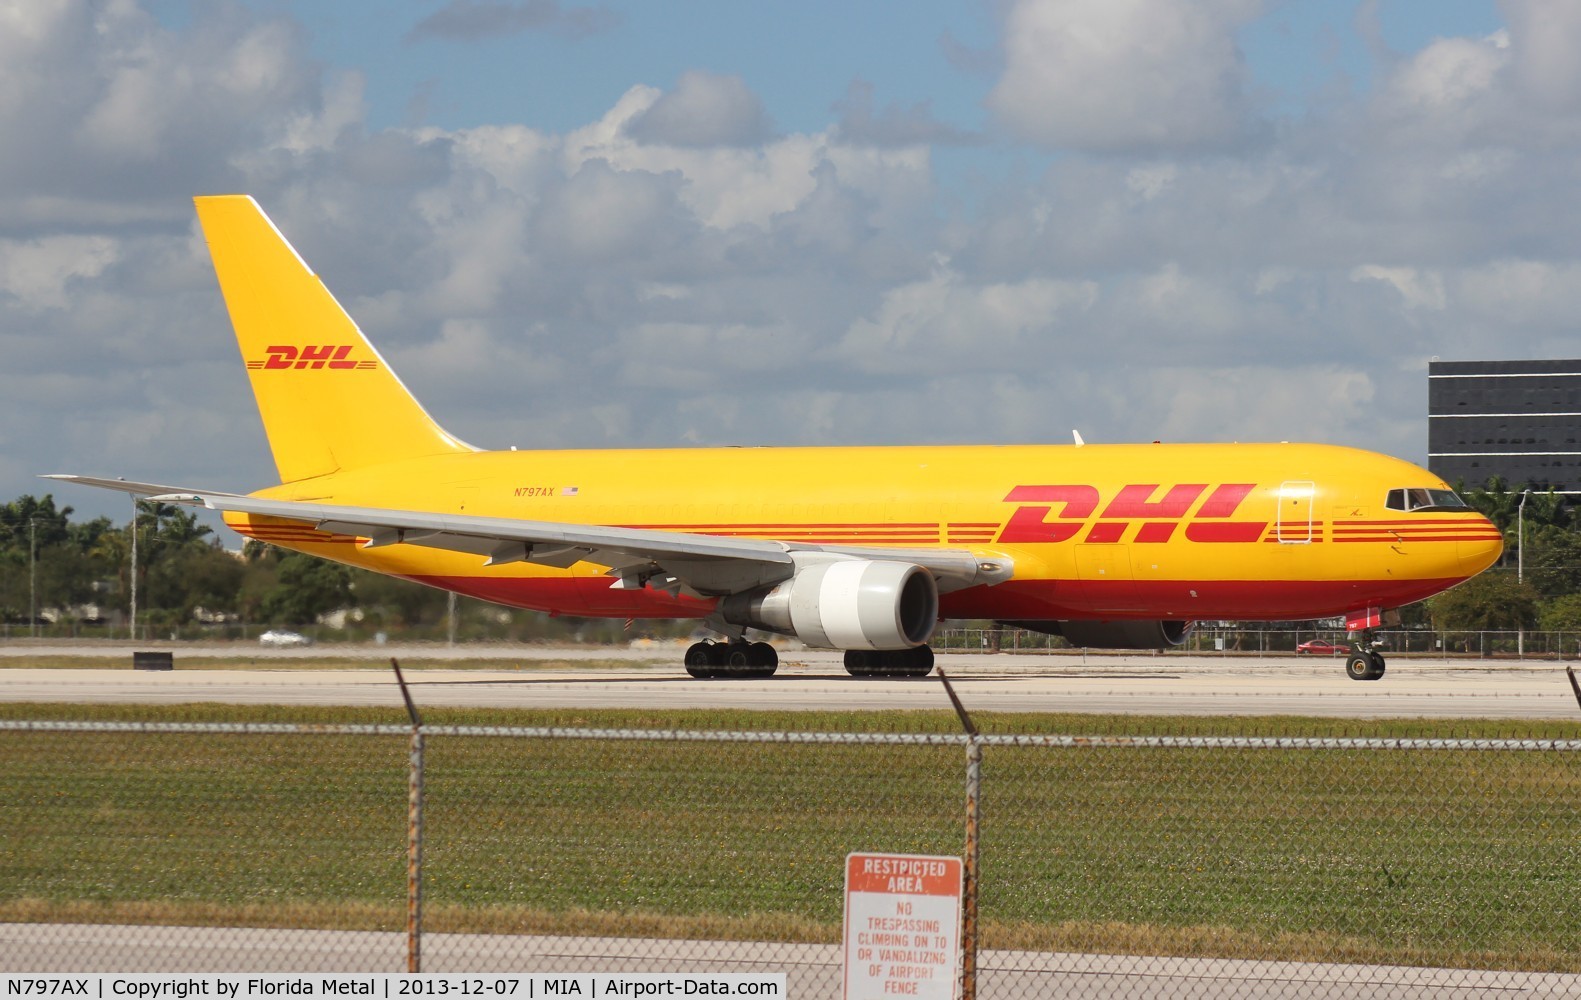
(490, 986)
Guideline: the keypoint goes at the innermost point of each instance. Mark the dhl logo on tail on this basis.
(318, 356)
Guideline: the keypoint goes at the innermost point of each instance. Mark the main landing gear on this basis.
(914, 662)
(1364, 663)
(737, 658)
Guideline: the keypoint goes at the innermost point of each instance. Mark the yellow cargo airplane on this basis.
(862, 549)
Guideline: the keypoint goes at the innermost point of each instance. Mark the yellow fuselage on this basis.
(1203, 531)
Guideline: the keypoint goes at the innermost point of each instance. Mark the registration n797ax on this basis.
(858, 549)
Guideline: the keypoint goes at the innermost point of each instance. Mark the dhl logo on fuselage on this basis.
(1159, 518)
(314, 356)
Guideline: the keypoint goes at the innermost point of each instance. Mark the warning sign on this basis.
(902, 926)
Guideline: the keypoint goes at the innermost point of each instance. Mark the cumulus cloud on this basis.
(1125, 74)
(893, 125)
(1520, 85)
(37, 272)
(951, 322)
(109, 113)
(704, 109)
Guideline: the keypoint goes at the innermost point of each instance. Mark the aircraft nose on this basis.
(1480, 549)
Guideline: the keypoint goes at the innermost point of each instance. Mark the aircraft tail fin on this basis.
(328, 400)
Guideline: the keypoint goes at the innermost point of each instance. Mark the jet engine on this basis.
(1113, 634)
(844, 604)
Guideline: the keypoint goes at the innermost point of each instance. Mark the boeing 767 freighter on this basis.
(862, 549)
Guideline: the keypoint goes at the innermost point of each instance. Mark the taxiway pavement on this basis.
(1170, 684)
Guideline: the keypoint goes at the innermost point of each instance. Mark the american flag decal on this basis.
(568, 491)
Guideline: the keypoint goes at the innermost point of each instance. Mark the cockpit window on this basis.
(1417, 498)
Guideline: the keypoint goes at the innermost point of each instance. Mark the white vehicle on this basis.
(282, 638)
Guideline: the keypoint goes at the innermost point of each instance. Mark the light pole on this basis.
(1520, 564)
(32, 577)
(1520, 538)
(131, 629)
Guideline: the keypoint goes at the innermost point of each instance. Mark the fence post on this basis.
(414, 832)
(974, 780)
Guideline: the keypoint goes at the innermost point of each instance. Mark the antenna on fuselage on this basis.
(1077, 435)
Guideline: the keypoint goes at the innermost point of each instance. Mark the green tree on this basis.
(399, 602)
(37, 558)
(1553, 560)
(1510, 509)
(308, 587)
(1562, 614)
(176, 563)
(1493, 601)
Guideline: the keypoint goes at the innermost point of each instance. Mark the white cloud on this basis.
(704, 110)
(950, 322)
(1418, 289)
(727, 186)
(1125, 74)
(1546, 34)
(38, 271)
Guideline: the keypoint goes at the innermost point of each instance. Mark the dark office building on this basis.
(1520, 420)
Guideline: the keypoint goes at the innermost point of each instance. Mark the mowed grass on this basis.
(1428, 857)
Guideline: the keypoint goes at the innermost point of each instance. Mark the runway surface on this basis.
(814, 680)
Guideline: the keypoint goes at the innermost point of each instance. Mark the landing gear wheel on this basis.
(700, 659)
(737, 660)
(763, 659)
(915, 662)
(731, 659)
(861, 662)
(1363, 665)
(921, 664)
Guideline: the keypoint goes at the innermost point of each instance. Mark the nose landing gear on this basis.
(1364, 663)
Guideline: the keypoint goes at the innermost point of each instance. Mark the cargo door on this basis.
(1294, 526)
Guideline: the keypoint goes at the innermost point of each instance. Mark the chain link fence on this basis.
(1228, 639)
(1248, 640)
(1113, 863)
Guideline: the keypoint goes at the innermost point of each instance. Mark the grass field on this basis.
(1429, 857)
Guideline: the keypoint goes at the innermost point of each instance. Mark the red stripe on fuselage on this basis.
(1267, 600)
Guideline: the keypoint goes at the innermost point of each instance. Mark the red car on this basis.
(1322, 646)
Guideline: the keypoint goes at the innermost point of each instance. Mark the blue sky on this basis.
(637, 224)
(797, 57)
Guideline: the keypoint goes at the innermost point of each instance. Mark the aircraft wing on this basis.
(136, 489)
(699, 565)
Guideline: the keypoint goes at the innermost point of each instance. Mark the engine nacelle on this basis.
(1114, 634)
(844, 604)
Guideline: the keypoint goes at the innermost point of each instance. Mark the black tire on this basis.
(1361, 665)
(737, 657)
(1358, 666)
(699, 659)
(861, 662)
(763, 658)
(916, 662)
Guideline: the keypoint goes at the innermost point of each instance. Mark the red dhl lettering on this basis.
(312, 356)
(1076, 503)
